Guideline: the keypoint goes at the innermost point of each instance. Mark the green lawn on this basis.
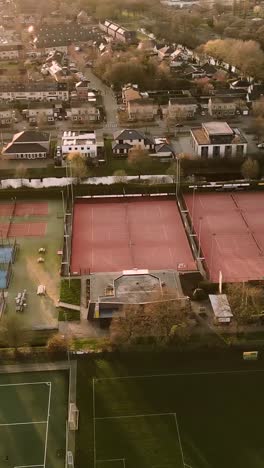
(28, 437)
(175, 412)
(70, 291)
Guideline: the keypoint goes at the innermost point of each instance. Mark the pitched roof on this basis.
(131, 134)
(24, 148)
(31, 136)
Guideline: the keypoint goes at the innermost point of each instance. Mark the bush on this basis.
(68, 315)
(70, 291)
(58, 344)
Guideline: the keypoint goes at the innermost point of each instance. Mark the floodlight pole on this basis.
(211, 255)
(199, 237)
(193, 201)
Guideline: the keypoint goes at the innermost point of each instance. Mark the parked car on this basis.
(261, 145)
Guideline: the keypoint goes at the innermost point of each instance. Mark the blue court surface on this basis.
(6, 254)
(3, 279)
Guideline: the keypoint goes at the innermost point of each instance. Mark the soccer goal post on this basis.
(70, 459)
(73, 417)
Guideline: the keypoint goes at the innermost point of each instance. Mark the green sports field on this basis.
(183, 417)
(33, 413)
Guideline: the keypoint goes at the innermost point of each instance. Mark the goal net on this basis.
(73, 417)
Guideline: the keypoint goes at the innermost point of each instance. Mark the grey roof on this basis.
(131, 134)
(41, 86)
(25, 148)
(31, 136)
(64, 34)
(164, 148)
(183, 100)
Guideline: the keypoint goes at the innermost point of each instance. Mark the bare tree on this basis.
(140, 160)
(58, 344)
(245, 301)
(78, 165)
(250, 169)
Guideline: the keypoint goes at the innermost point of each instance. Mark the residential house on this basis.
(40, 112)
(218, 140)
(41, 91)
(83, 112)
(240, 84)
(142, 109)
(119, 33)
(222, 106)
(60, 37)
(165, 52)
(163, 151)
(27, 145)
(185, 107)
(130, 93)
(83, 142)
(7, 115)
(11, 51)
(82, 89)
(128, 139)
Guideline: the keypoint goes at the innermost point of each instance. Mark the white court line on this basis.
(181, 374)
(110, 460)
(23, 383)
(28, 466)
(23, 423)
(179, 438)
(47, 428)
(136, 416)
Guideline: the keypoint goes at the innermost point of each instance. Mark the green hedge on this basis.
(70, 291)
(68, 315)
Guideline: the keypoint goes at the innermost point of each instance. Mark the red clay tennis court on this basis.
(118, 235)
(231, 227)
(24, 209)
(23, 229)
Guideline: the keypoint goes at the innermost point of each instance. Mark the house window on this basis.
(216, 151)
(228, 151)
(204, 152)
(240, 150)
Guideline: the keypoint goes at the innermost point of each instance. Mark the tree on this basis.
(140, 160)
(250, 169)
(245, 301)
(78, 165)
(258, 107)
(161, 317)
(257, 127)
(13, 331)
(21, 172)
(58, 344)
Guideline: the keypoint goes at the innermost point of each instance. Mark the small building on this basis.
(185, 106)
(222, 106)
(82, 142)
(128, 139)
(142, 109)
(28, 145)
(83, 112)
(82, 89)
(221, 308)
(7, 115)
(218, 140)
(164, 152)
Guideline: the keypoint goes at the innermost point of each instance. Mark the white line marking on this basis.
(179, 438)
(136, 416)
(23, 423)
(24, 383)
(180, 374)
(47, 428)
(28, 466)
(110, 460)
